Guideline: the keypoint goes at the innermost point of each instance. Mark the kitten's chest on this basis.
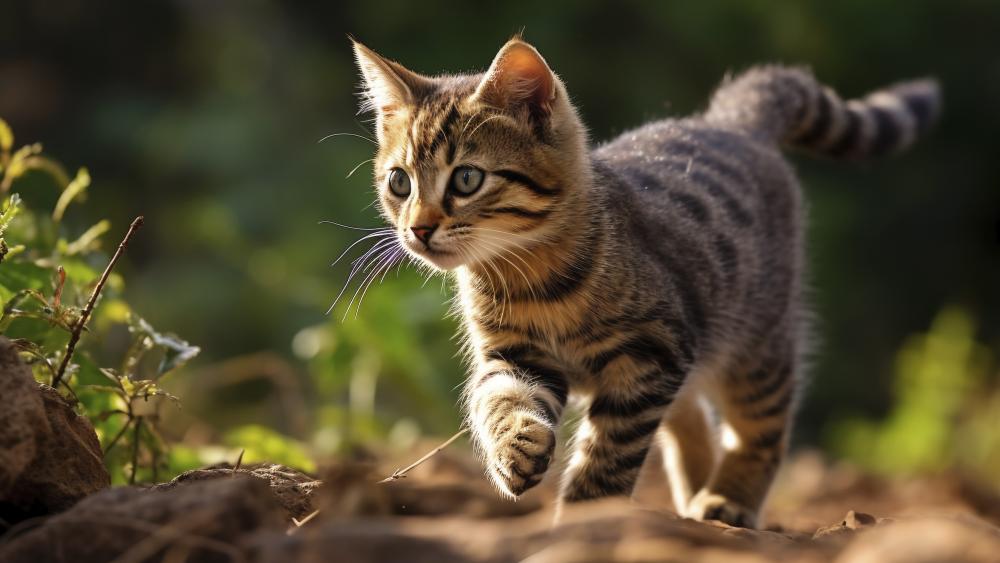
(556, 333)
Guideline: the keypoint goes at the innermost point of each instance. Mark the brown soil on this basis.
(55, 505)
(445, 510)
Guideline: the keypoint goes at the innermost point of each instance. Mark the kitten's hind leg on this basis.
(755, 406)
(688, 444)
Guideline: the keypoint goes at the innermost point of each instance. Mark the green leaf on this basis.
(10, 209)
(6, 136)
(19, 276)
(88, 240)
(75, 188)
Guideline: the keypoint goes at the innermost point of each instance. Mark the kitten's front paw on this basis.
(520, 452)
(712, 506)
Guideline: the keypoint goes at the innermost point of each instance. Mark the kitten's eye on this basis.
(399, 182)
(466, 180)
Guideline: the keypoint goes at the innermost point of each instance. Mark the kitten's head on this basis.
(471, 167)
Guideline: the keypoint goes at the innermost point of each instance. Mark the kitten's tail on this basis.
(788, 106)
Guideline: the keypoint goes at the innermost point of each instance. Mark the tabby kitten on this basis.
(658, 277)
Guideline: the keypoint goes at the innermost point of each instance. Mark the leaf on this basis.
(101, 388)
(10, 209)
(6, 137)
(88, 239)
(177, 352)
(19, 163)
(34, 161)
(16, 276)
(112, 375)
(75, 188)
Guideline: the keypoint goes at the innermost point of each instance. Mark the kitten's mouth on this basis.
(436, 257)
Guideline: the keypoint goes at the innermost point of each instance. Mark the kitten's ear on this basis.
(387, 84)
(519, 77)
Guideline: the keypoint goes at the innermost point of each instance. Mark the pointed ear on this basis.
(387, 84)
(519, 77)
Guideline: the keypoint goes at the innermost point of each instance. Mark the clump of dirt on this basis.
(199, 521)
(50, 456)
(292, 489)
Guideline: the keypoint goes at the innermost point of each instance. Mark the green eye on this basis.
(465, 180)
(399, 182)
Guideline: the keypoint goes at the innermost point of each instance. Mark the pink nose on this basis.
(424, 232)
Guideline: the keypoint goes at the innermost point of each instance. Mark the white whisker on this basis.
(360, 240)
(325, 222)
(360, 164)
(369, 139)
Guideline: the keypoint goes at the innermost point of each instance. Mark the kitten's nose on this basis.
(424, 232)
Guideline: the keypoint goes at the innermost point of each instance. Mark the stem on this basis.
(75, 335)
(135, 451)
(400, 473)
(117, 437)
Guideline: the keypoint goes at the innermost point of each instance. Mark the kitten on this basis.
(654, 276)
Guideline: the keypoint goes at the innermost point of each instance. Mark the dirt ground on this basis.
(444, 510)
(56, 504)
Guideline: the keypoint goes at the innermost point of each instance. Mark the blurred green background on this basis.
(205, 117)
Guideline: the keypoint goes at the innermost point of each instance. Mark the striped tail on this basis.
(788, 106)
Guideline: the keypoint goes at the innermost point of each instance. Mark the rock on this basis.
(926, 540)
(293, 489)
(22, 417)
(198, 521)
(67, 462)
(852, 522)
(856, 520)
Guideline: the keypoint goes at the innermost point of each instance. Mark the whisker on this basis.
(496, 246)
(503, 283)
(354, 272)
(351, 227)
(398, 259)
(369, 139)
(360, 164)
(386, 264)
(484, 122)
(376, 248)
(380, 258)
(359, 241)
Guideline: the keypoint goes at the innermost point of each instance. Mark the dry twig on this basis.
(239, 462)
(75, 335)
(300, 523)
(401, 473)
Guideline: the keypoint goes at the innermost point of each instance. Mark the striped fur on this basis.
(656, 277)
(788, 106)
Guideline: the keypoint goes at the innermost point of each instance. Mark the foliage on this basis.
(212, 119)
(946, 412)
(45, 280)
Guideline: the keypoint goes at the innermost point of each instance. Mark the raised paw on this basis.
(712, 506)
(520, 452)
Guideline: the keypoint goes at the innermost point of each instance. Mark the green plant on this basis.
(945, 413)
(49, 286)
